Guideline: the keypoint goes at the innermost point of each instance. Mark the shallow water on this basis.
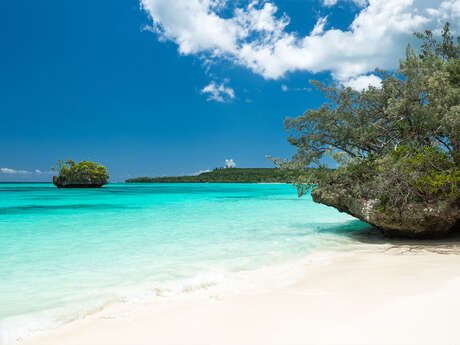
(66, 252)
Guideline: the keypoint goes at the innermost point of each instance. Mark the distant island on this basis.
(225, 175)
(80, 175)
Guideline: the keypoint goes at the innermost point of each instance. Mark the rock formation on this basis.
(63, 182)
(416, 220)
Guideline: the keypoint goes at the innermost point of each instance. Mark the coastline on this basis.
(385, 293)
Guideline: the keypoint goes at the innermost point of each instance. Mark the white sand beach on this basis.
(379, 294)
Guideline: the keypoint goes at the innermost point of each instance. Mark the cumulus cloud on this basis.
(13, 171)
(218, 92)
(363, 82)
(256, 36)
(230, 163)
(284, 88)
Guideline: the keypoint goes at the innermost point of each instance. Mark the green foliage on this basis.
(430, 172)
(84, 172)
(227, 175)
(413, 174)
(453, 69)
(398, 143)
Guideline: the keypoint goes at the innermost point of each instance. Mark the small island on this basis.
(82, 175)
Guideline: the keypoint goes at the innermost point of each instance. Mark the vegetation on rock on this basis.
(396, 145)
(83, 174)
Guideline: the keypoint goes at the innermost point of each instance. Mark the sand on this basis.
(379, 294)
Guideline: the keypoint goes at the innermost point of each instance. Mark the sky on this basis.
(161, 87)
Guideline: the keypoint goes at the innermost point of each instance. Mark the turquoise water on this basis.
(65, 252)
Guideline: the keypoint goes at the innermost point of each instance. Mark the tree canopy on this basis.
(396, 143)
(83, 173)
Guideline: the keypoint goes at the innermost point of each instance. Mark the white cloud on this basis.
(24, 172)
(363, 82)
(447, 11)
(330, 3)
(256, 36)
(200, 172)
(318, 29)
(219, 93)
(285, 88)
(39, 172)
(13, 171)
(230, 163)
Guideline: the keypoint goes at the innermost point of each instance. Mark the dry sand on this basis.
(383, 294)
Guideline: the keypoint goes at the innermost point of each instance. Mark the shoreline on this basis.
(400, 293)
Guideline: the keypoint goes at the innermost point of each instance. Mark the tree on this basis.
(398, 143)
(83, 173)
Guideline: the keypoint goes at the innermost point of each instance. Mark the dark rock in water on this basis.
(79, 185)
(415, 220)
(61, 182)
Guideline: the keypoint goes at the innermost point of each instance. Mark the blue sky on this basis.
(157, 87)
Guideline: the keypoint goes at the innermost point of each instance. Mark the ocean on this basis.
(66, 253)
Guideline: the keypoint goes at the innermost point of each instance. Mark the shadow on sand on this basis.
(373, 236)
